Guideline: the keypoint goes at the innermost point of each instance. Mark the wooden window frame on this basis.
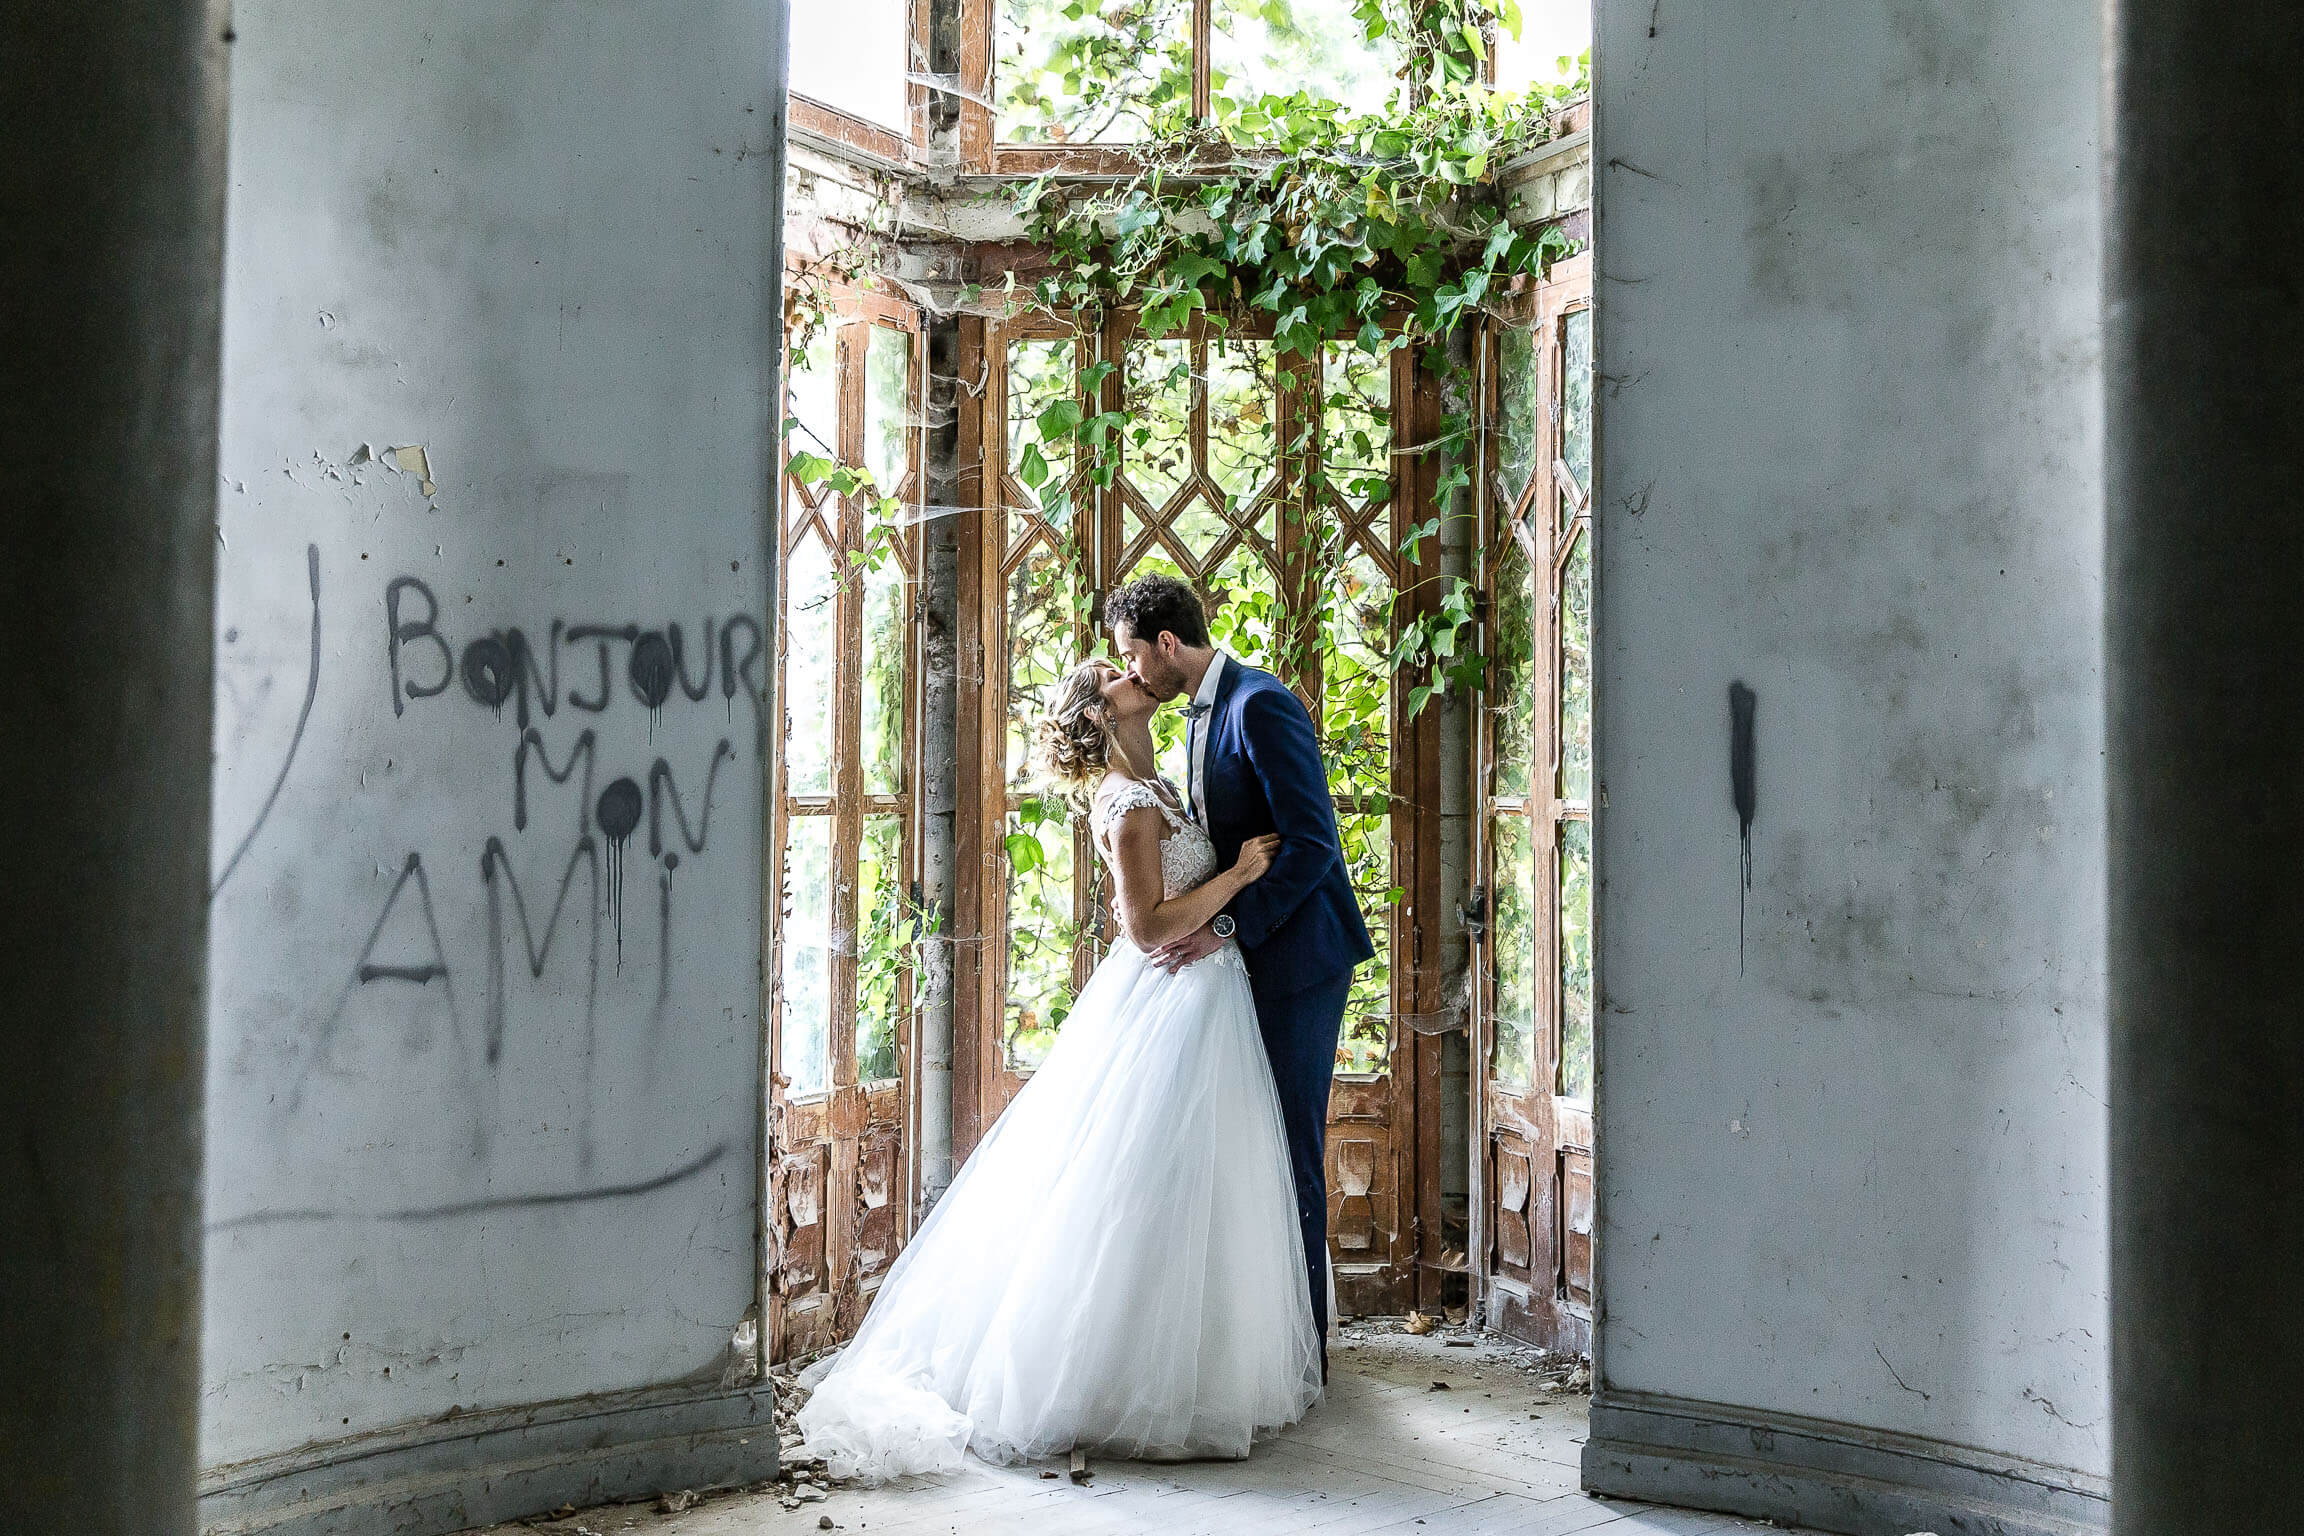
(818, 1287)
(1410, 1264)
(1552, 1130)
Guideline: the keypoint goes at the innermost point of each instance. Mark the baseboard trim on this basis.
(1858, 1482)
(480, 1468)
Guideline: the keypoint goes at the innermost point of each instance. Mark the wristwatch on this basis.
(1223, 926)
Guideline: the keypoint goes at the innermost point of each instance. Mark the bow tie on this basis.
(1195, 711)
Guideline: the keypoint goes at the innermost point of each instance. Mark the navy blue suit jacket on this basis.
(1301, 923)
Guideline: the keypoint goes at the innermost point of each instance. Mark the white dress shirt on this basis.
(1206, 697)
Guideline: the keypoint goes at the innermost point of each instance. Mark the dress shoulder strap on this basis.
(1113, 804)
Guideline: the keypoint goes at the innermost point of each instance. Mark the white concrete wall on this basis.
(1849, 454)
(535, 239)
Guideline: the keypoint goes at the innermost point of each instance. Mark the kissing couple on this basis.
(1134, 1261)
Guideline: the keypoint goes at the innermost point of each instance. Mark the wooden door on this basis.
(1533, 1019)
(843, 909)
(1270, 483)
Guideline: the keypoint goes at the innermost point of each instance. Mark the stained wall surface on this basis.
(485, 1085)
(1852, 1119)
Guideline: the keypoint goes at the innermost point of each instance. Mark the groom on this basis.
(1255, 768)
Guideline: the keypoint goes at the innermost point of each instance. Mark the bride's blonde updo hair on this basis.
(1075, 748)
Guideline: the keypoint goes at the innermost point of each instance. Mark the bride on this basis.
(1118, 1267)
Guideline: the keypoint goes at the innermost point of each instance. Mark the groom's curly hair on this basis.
(1150, 604)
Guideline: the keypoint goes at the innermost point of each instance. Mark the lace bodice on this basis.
(1187, 858)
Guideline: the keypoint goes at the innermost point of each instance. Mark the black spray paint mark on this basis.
(1744, 789)
(603, 633)
(488, 672)
(402, 633)
(650, 669)
(365, 970)
(618, 813)
(661, 787)
(677, 1175)
(657, 1013)
(303, 717)
(585, 748)
(703, 685)
(736, 674)
(494, 861)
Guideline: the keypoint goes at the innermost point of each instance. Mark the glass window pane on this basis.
(1042, 928)
(811, 648)
(883, 946)
(1553, 34)
(1366, 1045)
(1041, 649)
(1078, 72)
(887, 408)
(1356, 427)
(1261, 48)
(1576, 394)
(805, 989)
(1158, 395)
(1243, 426)
(885, 651)
(1039, 376)
(1512, 940)
(1356, 693)
(1576, 959)
(853, 57)
(1513, 671)
(1517, 366)
(1576, 672)
(1243, 598)
(812, 400)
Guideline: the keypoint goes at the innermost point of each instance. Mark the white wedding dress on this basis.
(1119, 1266)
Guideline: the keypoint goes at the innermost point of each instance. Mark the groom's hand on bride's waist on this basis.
(1199, 944)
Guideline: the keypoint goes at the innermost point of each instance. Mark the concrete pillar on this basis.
(2204, 362)
(112, 114)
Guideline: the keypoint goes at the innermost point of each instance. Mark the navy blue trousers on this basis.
(1301, 1028)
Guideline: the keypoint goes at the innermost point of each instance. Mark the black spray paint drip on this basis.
(618, 813)
(1743, 787)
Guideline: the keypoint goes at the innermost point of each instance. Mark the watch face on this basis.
(1223, 927)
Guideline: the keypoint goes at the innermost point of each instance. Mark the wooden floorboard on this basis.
(1490, 1453)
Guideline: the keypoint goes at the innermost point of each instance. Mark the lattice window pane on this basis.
(1576, 959)
(1356, 691)
(1158, 398)
(811, 666)
(1039, 466)
(1512, 942)
(1041, 648)
(1576, 394)
(885, 653)
(1367, 1041)
(813, 402)
(883, 935)
(1356, 428)
(1043, 928)
(1243, 425)
(888, 408)
(1073, 73)
(805, 937)
(1576, 672)
(1518, 391)
(1512, 671)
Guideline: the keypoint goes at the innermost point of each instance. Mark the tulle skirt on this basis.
(1118, 1267)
